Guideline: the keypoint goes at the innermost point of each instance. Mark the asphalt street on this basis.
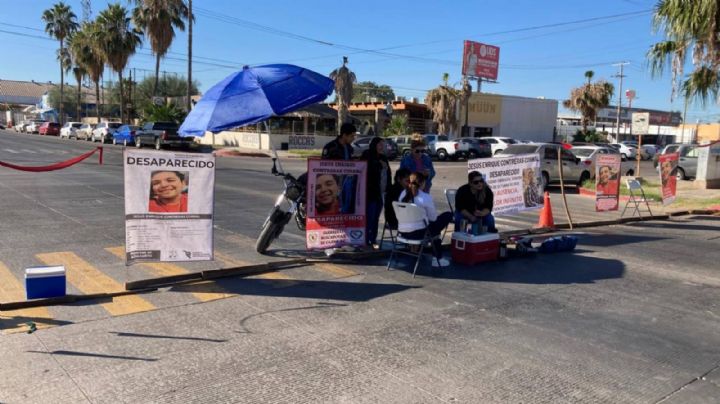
(631, 316)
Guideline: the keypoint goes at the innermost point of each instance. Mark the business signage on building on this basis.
(640, 123)
(301, 142)
(484, 110)
(480, 60)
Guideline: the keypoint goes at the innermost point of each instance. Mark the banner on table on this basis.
(667, 164)
(516, 181)
(335, 203)
(168, 206)
(607, 182)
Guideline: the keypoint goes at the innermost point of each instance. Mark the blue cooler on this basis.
(43, 282)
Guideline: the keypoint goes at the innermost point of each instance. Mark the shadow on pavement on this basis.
(330, 290)
(11, 322)
(319, 305)
(673, 225)
(156, 336)
(95, 355)
(607, 240)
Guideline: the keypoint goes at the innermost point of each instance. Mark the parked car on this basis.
(476, 147)
(588, 156)
(626, 151)
(34, 126)
(125, 135)
(161, 134)
(403, 144)
(68, 131)
(648, 151)
(443, 148)
(50, 129)
(103, 131)
(84, 132)
(20, 127)
(574, 171)
(498, 144)
(361, 144)
(687, 160)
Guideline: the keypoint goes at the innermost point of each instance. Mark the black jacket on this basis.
(393, 195)
(465, 199)
(374, 171)
(334, 151)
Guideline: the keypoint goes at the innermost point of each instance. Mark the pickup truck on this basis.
(443, 148)
(160, 134)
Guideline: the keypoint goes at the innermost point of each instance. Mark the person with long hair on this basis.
(419, 161)
(378, 183)
(168, 193)
(474, 203)
(400, 184)
(437, 223)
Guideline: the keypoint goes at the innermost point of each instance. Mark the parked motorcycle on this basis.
(291, 202)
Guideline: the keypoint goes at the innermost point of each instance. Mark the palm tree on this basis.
(78, 48)
(118, 41)
(158, 20)
(689, 27)
(443, 101)
(344, 79)
(92, 57)
(589, 98)
(60, 22)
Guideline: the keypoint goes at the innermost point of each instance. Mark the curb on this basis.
(236, 153)
(54, 301)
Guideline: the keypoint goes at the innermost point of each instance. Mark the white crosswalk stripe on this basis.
(28, 151)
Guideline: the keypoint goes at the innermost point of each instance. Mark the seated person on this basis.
(474, 203)
(393, 195)
(416, 230)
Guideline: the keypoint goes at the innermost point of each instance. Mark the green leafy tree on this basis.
(589, 98)
(68, 100)
(689, 27)
(365, 90)
(164, 113)
(344, 80)
(118, 41)
(398, 126)
(442, 102)
(88, 51)
(60, 22)
(158, 20)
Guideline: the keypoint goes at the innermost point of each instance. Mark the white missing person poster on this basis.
(515, 181)
(168, 206)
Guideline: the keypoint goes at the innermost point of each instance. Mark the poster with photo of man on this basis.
(607, 182)
(667, 164)
(335, 203)
(168, 206)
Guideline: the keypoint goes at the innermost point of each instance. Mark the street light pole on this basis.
(621, 76)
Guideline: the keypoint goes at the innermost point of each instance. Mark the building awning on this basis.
(321, 111)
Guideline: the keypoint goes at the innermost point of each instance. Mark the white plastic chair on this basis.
(410, 213)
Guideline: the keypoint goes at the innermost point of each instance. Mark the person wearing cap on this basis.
(340, 148)
(474, 203)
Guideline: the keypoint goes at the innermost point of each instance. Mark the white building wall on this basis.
(528, 118)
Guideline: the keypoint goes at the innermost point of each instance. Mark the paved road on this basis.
(631, 316)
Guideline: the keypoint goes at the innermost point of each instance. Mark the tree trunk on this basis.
(157, 73)
(78, 99)
(122, 98)
(97, 99)
(62, 85)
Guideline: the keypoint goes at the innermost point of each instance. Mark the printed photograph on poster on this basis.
(607, 182)
(168, 206)
(515, 181)
(336, 208)
(667, 164)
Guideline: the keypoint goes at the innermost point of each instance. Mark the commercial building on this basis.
(520, 118)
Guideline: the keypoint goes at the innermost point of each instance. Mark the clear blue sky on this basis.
(425, 38)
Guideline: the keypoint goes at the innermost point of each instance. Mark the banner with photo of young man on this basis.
(515, 181)
(168, 206)
(667, 164)
(607, 182)
(335, 203)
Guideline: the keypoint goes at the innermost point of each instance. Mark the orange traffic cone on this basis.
(546, 217)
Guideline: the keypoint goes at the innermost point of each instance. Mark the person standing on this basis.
(474, 203)
(418, 161)
(340, 148)
(378, 183)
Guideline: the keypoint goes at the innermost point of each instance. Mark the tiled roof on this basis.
(31, 92)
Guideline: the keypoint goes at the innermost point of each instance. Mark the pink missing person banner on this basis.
(667, 164)
(480, 60)
(335, 203)
(607, 182)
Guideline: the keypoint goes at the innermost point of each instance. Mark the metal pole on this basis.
(621, 76)
(189, 78)
(562, 187)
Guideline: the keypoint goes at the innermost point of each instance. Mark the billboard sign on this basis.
(480, 60)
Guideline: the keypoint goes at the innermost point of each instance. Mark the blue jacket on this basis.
(408, 163)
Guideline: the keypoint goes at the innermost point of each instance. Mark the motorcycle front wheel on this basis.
(267, 235)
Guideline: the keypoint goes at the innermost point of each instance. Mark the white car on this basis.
(34, 126)
(588, 157)
(68, 130)
(498, 144)
(103, 131)
(20, 127)
(625, 150)
(84, 132)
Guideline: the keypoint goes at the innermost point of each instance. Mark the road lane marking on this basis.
(89, 280)
(11, 151)
(28, 151)
(11, 290)
(210, 290)
(233, 262)
(334, 269)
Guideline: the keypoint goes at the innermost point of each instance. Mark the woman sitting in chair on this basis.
(437, 223)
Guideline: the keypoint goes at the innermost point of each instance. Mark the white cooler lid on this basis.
(44, 272)
(469, 238)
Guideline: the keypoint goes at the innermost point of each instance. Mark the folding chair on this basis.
(450, 196)
(390, 230)
(410, 213)
(637, 200)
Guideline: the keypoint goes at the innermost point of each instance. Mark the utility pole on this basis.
(189, 82)
(621, 76)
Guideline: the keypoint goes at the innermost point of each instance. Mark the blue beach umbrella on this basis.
(254, 94)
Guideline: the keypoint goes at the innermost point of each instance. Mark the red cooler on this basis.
(470, 250)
